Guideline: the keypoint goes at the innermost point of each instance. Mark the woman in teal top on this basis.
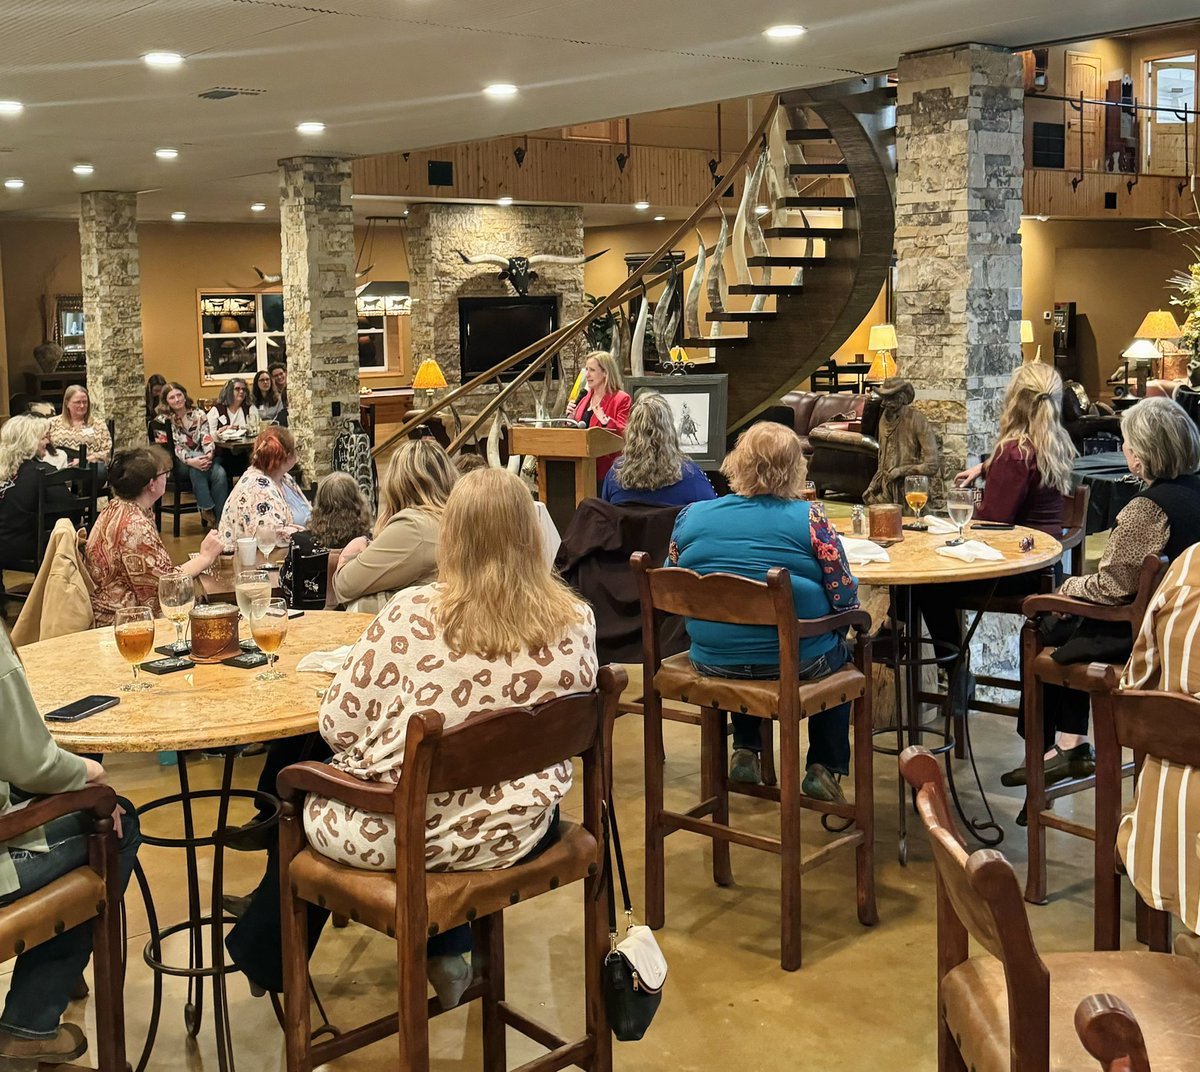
(766, 523)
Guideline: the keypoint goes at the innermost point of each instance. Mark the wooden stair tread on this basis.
(784, 260)
(792, 289)
(815, 201)
(838, 168)
(717, 340)
(809, 134)
(742, 316)
(804, 232)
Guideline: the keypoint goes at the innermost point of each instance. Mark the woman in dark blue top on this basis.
(652, 469)
(766, 523)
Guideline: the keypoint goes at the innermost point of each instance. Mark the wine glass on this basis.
(248, 586)
(133, 628)
(266, 536)
(176, 595)
(960, 505)
(810, 491)
(916, 494)
(269, 626)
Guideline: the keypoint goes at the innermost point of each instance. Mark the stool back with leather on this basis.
(724, 597)
(1040, 669)
(1011, 1008)
(91, 892)
(410, 904)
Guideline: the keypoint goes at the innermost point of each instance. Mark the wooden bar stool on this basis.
(1039, 669)
(410, 904)
(724, 597)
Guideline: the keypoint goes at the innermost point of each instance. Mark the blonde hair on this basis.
(768, 459)
(419, 476)
(19, 440)
(1032, 419)
(496, 595)
(651, 457)
(612, 371)
(70, 393)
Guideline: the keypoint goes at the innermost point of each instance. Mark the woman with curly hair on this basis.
(652, 469)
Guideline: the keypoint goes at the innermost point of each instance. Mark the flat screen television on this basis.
(492, 329)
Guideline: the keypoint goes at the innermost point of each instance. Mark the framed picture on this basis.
(699, 404)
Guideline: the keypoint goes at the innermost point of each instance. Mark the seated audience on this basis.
(403, 552)
(279, 379)
(1162, 446)
(651, 468)
(232, 413)
(266, 399)
(764, 523)
(185, 432)
(266, 492)
(77, 426)
(604, 404)
(43, 978)
(125, 553)
(23, 444)
(154, 388)
(495, 611)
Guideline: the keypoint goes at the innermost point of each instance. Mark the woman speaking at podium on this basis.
(604, 404)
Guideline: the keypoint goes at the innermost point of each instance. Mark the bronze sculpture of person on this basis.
(907, 446)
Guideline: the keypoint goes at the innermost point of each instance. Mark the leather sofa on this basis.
(811, 409)
(838, 433)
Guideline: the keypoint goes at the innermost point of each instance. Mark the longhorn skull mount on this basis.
(519, 270)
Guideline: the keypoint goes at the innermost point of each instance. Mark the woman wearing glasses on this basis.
(125, 553)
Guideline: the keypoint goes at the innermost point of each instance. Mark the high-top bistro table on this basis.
(914, 561)
(209, 708)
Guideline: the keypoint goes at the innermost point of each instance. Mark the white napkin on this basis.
(860, 552)
(325, 662)
(971, 551)
(939, 526)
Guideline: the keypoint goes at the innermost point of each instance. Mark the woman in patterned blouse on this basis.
(78, 427)
(266, 494)
(499, 629)
(183, 428)
(125, 553)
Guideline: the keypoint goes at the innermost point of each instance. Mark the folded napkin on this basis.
(939, 526)
(860, 552)
(971, 551)
(324, 662)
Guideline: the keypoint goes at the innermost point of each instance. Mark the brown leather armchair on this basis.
(812, 409)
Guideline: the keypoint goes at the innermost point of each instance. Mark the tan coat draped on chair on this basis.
(60, 600)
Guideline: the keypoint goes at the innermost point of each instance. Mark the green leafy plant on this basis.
(600, 331)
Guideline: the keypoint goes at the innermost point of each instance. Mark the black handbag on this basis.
(634, 968)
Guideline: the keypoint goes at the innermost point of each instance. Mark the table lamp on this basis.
(1140, 355)
(1027, 337)
(429, 378)
(1158, 324)
(883, 342)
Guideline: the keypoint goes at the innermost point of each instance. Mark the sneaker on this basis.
(746, 767)
(821, 785)
(25, 1054)
(450, 976)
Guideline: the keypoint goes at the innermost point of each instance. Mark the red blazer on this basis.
(616, 406)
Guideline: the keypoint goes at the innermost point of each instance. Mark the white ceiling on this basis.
(387, 75)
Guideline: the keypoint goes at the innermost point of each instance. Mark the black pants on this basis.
(284, 753)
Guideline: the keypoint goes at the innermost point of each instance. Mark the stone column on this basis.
(320, 321)
(960, 161)
(112, 311)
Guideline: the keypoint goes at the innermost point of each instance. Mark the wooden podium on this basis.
(566, 464)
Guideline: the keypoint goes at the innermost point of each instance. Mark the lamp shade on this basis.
(429, 376)
(882, 366)
(1141, 350)
(1158, 324)
(1026, 331)
(883, 337)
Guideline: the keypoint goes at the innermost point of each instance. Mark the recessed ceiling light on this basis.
(166, 153)
(641, 206)
(11, 107)
(504, 202)
(258, 206)
(179, 217)
(83, 169)
(162, 59)
(14, 184)
(500, 90)
(659, 219)
(310, 127)
(785, 32)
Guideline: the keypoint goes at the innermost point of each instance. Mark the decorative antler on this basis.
(484, 258)
(554, 258)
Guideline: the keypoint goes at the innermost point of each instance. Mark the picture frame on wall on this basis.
(700, 407)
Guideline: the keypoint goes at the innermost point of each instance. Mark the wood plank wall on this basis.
(1153, 197)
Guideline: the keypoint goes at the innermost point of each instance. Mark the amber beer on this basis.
(269, 636)
(135, 640)
(916, 500)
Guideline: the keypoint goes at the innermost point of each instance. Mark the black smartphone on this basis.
(80, 709)
(248, 660)
(169, 665)
(295, 614)
(997, 525)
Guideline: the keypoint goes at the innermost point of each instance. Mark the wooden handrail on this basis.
(555, 341)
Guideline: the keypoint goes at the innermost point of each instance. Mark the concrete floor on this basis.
(863, 999)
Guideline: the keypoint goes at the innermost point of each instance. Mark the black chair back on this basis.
(78, 500)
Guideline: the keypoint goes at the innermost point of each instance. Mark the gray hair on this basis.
(1163, 436)
(19, 440)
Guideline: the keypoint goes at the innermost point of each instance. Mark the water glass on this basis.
(960, 505)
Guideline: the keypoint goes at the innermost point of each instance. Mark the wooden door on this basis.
(1170, 83)
(1083, 75)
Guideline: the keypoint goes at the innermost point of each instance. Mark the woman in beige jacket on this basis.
(403, 552)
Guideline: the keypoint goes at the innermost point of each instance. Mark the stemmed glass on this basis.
(269, 626)
(266, 536)
(916, 494)
(133, 628)
(960, 505)
(177, 595)
(248, 586)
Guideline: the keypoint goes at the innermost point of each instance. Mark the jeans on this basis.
(44, 976)
(828, 732)
(210, 486)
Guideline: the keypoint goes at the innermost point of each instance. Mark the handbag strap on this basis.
(612, 847)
